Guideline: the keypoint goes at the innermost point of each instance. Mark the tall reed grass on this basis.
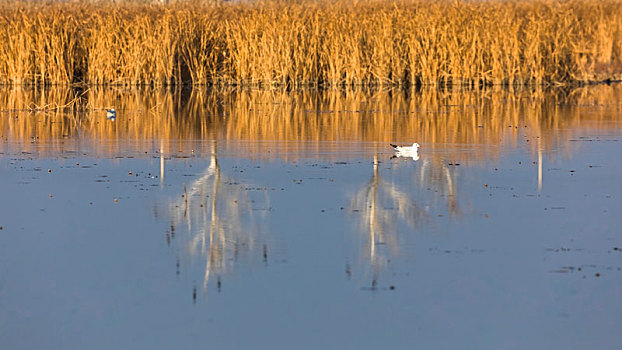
(312, 43)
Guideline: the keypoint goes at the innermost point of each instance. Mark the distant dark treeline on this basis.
(311, 43)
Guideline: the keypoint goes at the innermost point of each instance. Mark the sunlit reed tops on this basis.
(311, 43)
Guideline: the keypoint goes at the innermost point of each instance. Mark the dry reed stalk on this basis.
(312, 43)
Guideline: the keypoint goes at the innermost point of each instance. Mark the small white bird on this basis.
(111, 114)
(406, 151)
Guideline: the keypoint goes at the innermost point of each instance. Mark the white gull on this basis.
(406, 151)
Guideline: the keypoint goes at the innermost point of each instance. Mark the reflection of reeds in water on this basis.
(431, 117)
(384, 204)
(221, 220)
(443, 178)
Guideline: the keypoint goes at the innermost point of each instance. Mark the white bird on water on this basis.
(111, 114)
(406, 151)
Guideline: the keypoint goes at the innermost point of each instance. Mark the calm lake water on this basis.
(271, 220)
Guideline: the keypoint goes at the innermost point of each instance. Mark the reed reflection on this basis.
(51, 120)
(221, 221)
(390, 208)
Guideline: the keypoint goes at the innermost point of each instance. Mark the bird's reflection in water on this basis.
(223, 219)
(388, 208)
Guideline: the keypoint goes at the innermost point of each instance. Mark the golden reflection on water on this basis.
(223, 222)
(52, 120)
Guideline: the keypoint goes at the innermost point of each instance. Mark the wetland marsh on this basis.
(264, 219)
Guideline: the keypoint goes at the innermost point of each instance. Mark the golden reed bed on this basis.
(292, 124)
(311, 43)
